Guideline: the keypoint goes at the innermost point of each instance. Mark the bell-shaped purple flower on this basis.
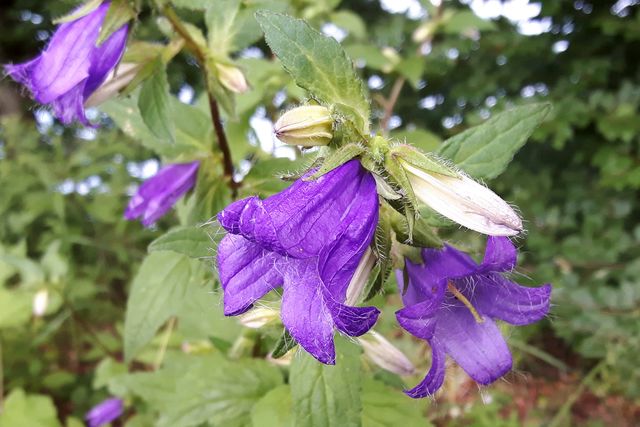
(72, 67)
(160, 192)
(452, 302)
(105, 412)
(308, 239)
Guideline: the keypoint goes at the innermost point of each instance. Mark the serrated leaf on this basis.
(119, 13)
(337, 158)
(319, 65)
(485, 151)
(327, 395)
(154, 103)
(157, 292)
(193, 242)
(213, 390)
(285, 343)
(79, 12)
(383, 406)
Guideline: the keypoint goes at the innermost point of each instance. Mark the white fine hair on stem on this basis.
(464, 201)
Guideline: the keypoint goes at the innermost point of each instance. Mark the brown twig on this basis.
(197, 50)
(390, 103)
(223, 144)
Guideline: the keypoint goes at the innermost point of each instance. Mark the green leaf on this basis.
(274, 409)
(351, 22)
(78, 13)
(221, 25)
(194, 390)
(419, 138)
(464, 21)
(28, 410)
(118, 14)
(327, 395)
(15, 307)
(383, 406)
(193, 242)
(319, 65)
(157, 293)
(285, 343)
(154, 103)
(485, 151)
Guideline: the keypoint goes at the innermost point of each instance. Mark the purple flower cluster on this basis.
(105, 412)
(72, 66)
(451, 302)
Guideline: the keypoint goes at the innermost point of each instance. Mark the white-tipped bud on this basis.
(40, 302)
(384, 354)
(307, 126)
(258, 317)
(360, 277)
(464, 201)
(232, 78)
(117, 80)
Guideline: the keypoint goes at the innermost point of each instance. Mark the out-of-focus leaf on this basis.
(119, 13)
(485, 150)
(212, 390)
(274, 409)
(383, 406)
(28, 410)
(157, 292)
(154, 103)
(15, 307)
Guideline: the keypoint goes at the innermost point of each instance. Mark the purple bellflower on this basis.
(160, 192)
(104, 412)
(72, 67)
(451, 302)
(308, 239)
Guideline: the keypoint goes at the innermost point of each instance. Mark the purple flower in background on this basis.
(308, 239)
(72, 66)
(160, 192)
(104, 412)
(451, 302)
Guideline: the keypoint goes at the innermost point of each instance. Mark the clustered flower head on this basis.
(72, 66)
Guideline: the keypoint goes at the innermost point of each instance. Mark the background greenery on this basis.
(63, 191)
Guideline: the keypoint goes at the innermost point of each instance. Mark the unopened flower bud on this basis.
(40, 302)
(384, 354)
(464, 201)
(360, 277)
(259, 317)
(232, 78)
(307, 126)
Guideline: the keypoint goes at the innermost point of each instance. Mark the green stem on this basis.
(164, 344)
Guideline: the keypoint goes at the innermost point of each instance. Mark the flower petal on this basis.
(500, 255)
(67, 59)
(159, 193)
(435, 377)
(304, 311)
(306, 216)
(69, 106)
(247, 272)
(104, 58)
(499, 297)
(478, 348)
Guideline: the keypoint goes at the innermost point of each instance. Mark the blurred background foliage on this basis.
(446, 68)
